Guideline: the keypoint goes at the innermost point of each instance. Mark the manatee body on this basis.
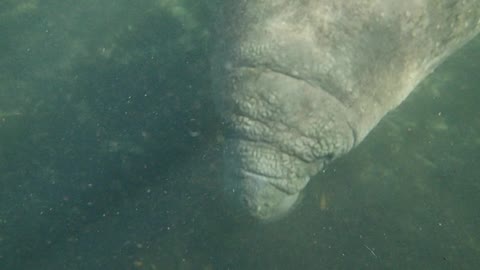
(300, 83)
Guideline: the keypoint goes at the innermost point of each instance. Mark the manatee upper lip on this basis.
(269, 144)
(266, 179)
(293, 74)
(244, 172)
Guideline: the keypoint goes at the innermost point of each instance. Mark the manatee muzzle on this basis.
(281, 130)
(262, 180)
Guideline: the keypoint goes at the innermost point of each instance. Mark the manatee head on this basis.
(299, 83)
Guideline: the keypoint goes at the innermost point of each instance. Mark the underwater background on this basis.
(111, 155)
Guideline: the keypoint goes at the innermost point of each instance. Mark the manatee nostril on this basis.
(329, 156)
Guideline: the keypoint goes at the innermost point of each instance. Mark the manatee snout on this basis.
(258, 198)
(257, 182)
(281, 131)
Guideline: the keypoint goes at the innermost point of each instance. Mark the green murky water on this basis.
(110, 156)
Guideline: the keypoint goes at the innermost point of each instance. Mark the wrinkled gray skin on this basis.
(301, 82)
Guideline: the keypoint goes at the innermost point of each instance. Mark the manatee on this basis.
(301, 82)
